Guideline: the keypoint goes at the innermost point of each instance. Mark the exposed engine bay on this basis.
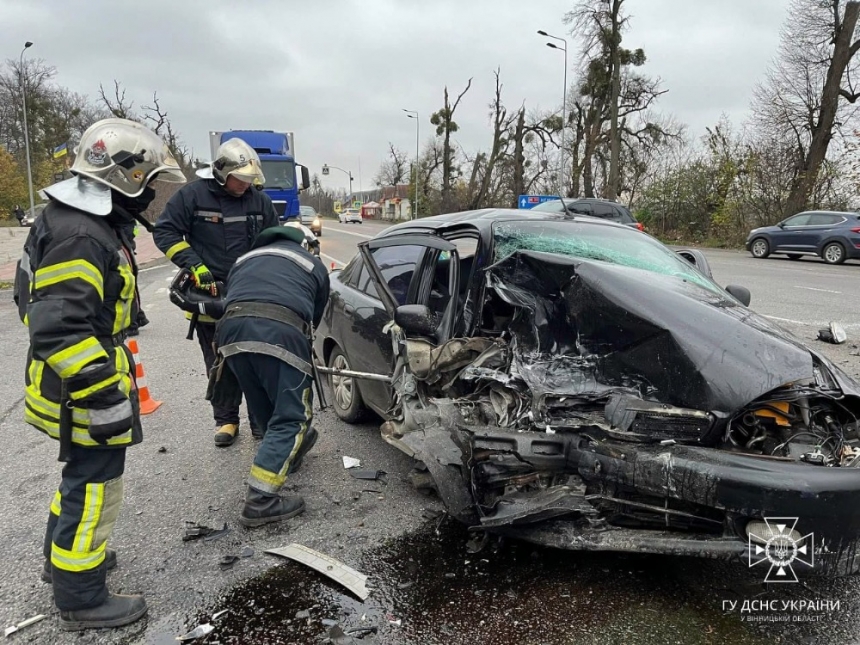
(599, 410)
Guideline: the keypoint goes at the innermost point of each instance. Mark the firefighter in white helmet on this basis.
(75, 289)
(204, 228)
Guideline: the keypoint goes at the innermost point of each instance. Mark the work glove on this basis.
(110, 409)
(111, 421)
(202, 276)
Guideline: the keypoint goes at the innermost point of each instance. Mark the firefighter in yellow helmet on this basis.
(75, 290)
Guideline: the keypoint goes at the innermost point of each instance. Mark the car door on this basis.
(821, 227)
(369, 349)
(793, 234)
(432, 288)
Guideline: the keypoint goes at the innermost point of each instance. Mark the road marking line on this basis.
(337, 230)
(811, 324)
(797, 286)
(161, 290)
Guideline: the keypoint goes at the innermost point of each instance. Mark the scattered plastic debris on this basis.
(202, 630)
(392, 620)
(336, 636)
(162, 449)
(834, 333)
(194, 531)
(380, 475)
(198, 632)
(326, 565)
(351, 462)
(25, 623)
(227, 561)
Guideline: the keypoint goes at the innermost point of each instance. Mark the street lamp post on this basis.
(325, 171)
(412, 114)
(561, 182)
(27, 45)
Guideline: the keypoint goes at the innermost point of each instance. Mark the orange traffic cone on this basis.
(332, 267)
(148, 405)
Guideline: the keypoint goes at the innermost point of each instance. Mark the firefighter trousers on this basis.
(82, 517)
(223, 415)
(281, 399)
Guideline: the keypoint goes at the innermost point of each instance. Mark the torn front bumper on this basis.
(565, 491)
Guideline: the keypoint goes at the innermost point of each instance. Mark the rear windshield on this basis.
(621, 246)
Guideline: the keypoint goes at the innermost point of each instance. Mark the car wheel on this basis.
(794, 256)
(760, 248)
(347, 399)
(833, 253)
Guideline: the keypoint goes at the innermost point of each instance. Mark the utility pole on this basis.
(27, 45)
(561, 182)
(412, 114)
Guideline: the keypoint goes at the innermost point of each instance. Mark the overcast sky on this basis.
(339, 72)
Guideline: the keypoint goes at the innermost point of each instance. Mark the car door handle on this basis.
(348, 309)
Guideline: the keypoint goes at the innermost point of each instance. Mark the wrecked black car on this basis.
(575, 383)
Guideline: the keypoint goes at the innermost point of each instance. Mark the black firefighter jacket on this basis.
(75, 290)
(204, 224)
(277, 271)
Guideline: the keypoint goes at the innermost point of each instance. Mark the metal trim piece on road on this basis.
(326, 565)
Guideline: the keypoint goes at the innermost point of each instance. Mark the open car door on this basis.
(418, 318)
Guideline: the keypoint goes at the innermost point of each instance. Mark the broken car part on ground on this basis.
(590, 389)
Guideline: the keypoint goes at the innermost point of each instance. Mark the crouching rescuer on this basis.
(76, 292)
(275, 298)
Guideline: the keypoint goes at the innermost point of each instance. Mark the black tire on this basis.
(346, 399)
(794, 256)
(833, 253)
(760, 248)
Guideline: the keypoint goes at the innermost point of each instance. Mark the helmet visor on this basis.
(250, 172)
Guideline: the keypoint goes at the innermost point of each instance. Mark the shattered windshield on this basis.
(621, 246)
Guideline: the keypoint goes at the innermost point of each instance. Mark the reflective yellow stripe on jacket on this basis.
(71, 270)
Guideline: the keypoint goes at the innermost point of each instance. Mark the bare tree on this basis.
(161, 125)
(803, 99)
(501, 125)
(118, 106)
(394, 170)
(445, 125)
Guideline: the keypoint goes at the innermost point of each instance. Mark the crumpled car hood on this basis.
(682, 343)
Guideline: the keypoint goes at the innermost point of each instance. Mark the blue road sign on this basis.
(530, 201)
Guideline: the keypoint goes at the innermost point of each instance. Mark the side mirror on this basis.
(306, 178)
(417, 319)
(741, 293)
(781, 224)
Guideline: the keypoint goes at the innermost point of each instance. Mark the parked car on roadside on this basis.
(310, 218)
(350, 215)
(834, 236)
(594, 207)
(571, 382)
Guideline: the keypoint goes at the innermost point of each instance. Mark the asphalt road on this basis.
(420, 566)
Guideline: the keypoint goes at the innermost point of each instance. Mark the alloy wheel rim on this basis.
(342, 385)
(759, 247)
(833, 253)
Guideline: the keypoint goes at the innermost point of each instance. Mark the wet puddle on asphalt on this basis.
(428, 588)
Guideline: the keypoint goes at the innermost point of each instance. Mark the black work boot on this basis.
(263, 508)
(142, 320)
(110, 561)
(311, 437)
(116, 611)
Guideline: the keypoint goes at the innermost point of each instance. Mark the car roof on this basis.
(484, 219)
